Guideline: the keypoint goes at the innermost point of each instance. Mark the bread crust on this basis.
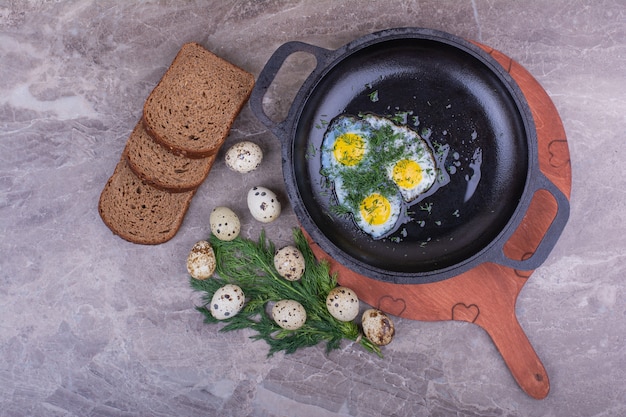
(163, 169)
(138, 212)
(191, 109)
(149, 193)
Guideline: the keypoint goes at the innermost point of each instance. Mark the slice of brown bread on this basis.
(138, 212)
(161, 168)
(192, 108)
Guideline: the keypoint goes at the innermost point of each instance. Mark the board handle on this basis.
(516, 350)
(269, 72)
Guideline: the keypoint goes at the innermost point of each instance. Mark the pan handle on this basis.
(268, 74)
(551, 236)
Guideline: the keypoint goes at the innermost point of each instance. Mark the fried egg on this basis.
(374, 213)
(415, 173)
(413, 170)
(378, 215)
(345, 145)
(373, 165)
(408, 175)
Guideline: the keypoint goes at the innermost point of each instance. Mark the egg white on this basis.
(378, 231)
(415, 150)
(402, 144)
(422, 157)
(339, 126)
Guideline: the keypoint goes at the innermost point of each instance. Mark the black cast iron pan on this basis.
(465, 105)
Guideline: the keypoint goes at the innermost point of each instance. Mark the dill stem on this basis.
(250, 265)
(283, 282)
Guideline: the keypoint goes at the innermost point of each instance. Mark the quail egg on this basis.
(342, 303)
(244, 157)
(227, 301)
(289, 314)
(263, 204)
(289, 262)
(377, 327)
(224, 223)
(201, 260)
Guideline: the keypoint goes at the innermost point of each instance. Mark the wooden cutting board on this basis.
(486, 295)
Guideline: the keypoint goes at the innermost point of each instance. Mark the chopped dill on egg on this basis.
(340, 210)
(360, 184)
(371, 155)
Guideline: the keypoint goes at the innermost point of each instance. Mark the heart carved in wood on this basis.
(559, 155)
(464, 312)
(393, 306)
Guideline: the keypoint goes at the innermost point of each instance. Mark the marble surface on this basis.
(92, 325)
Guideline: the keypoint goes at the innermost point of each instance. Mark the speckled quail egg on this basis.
(377, 327)
(224, 223)
(263, 204)
(244, 157)
(342, 303)
(289, 314)
(201, 260)
(227, 301)
(289, 262)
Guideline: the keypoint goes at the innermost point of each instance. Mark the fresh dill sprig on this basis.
(250, 265)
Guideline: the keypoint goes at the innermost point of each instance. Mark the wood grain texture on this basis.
(486, 295)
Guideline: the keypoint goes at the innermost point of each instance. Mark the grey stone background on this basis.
(91, 325)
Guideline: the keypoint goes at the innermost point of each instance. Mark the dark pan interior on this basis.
(454, 100)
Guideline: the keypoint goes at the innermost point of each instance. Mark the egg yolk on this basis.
(375, 209)
(407, 173)
(349, 149)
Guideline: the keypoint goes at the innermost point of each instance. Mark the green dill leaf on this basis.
(250, 265)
